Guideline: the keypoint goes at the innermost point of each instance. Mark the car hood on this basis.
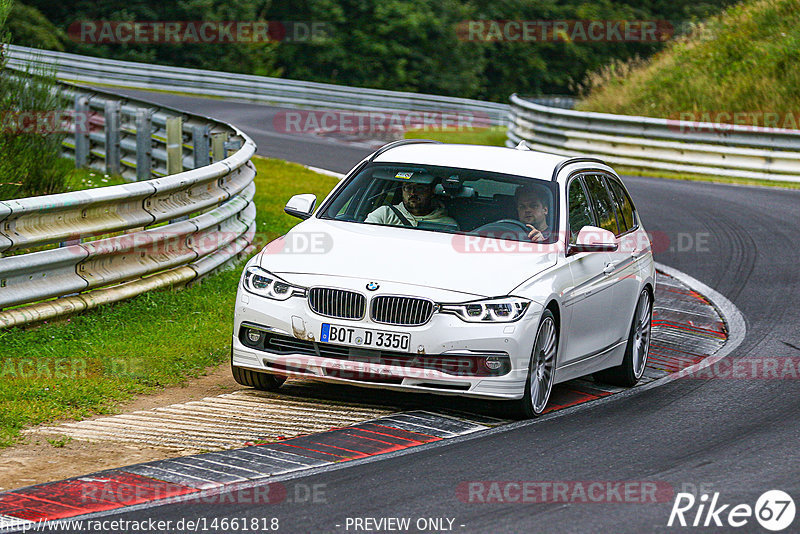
(478, 266)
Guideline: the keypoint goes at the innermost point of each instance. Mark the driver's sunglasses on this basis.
(415, 188)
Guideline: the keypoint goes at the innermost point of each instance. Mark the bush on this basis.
(31, 161)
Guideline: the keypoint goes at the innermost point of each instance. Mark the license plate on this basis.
(361, 337)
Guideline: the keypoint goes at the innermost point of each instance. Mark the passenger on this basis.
(532, 209)
(418, 205)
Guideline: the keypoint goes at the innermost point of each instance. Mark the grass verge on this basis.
(89, 363)
(494, 136)
(737, 67)
(632, 171)
(79, 179)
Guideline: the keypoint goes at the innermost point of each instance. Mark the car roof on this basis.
(530, 163)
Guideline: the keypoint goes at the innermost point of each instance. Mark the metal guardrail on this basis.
(287, 93)
(649, 144)
(119, 241)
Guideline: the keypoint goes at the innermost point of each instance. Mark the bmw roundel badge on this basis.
(372, 286)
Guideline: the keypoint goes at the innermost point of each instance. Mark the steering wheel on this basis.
(501, 226)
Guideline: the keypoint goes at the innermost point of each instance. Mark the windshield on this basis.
(448, 199)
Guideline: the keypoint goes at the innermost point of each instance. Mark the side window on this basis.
(601, 202)
(625, 215)
(580, 214)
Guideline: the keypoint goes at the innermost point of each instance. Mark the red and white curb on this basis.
(687, 329)
(197, 475)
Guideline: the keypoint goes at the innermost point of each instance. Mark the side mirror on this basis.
(301, 206)
(593, 239)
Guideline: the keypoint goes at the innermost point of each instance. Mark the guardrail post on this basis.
(218, 140)
(200, 134)
(112, 118)
(174, 145)
(69, 243)
(81, 132)
(233, 144)
(144, 144)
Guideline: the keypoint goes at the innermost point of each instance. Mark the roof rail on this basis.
(570, 161)
(401, 142)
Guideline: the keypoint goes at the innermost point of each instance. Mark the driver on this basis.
(418, 205)
(532, 208)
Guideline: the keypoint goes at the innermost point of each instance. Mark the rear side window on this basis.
(625, 214)
(602, 203)
(580, 214)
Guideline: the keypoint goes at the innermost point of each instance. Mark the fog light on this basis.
(254, 335)
(493, 363)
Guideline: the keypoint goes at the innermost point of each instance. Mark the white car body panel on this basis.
(382, 253)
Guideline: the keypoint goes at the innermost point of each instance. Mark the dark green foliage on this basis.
(29, 27)
(251, 58)
(409, 45)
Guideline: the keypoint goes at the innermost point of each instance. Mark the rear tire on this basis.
(254, 379)
(635, 360)
(541, 372)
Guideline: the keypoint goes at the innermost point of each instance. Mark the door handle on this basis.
(636, 253)
(609, 268)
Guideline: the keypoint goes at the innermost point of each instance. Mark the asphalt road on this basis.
(263, 124)
(736, 437)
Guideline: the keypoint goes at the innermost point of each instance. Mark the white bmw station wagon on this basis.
(453, 269)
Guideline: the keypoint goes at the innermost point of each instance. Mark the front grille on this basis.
(337, 303)
(405, 311)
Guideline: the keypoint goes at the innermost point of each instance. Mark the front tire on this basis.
(635, 360)
(541, 371)
(253, 379)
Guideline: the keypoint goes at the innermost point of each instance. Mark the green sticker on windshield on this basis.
(404, 175)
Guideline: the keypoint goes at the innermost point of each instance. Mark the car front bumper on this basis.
(444, 336)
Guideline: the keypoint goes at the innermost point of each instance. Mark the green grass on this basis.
(89, 363)
(744, 60)
(78, 179)
(630, 171)
(494, 136)
(72, 179)
(145, 89)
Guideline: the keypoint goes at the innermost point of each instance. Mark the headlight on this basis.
(265, 284)
(502, 310)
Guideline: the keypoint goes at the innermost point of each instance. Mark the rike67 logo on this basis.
(774, 510)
